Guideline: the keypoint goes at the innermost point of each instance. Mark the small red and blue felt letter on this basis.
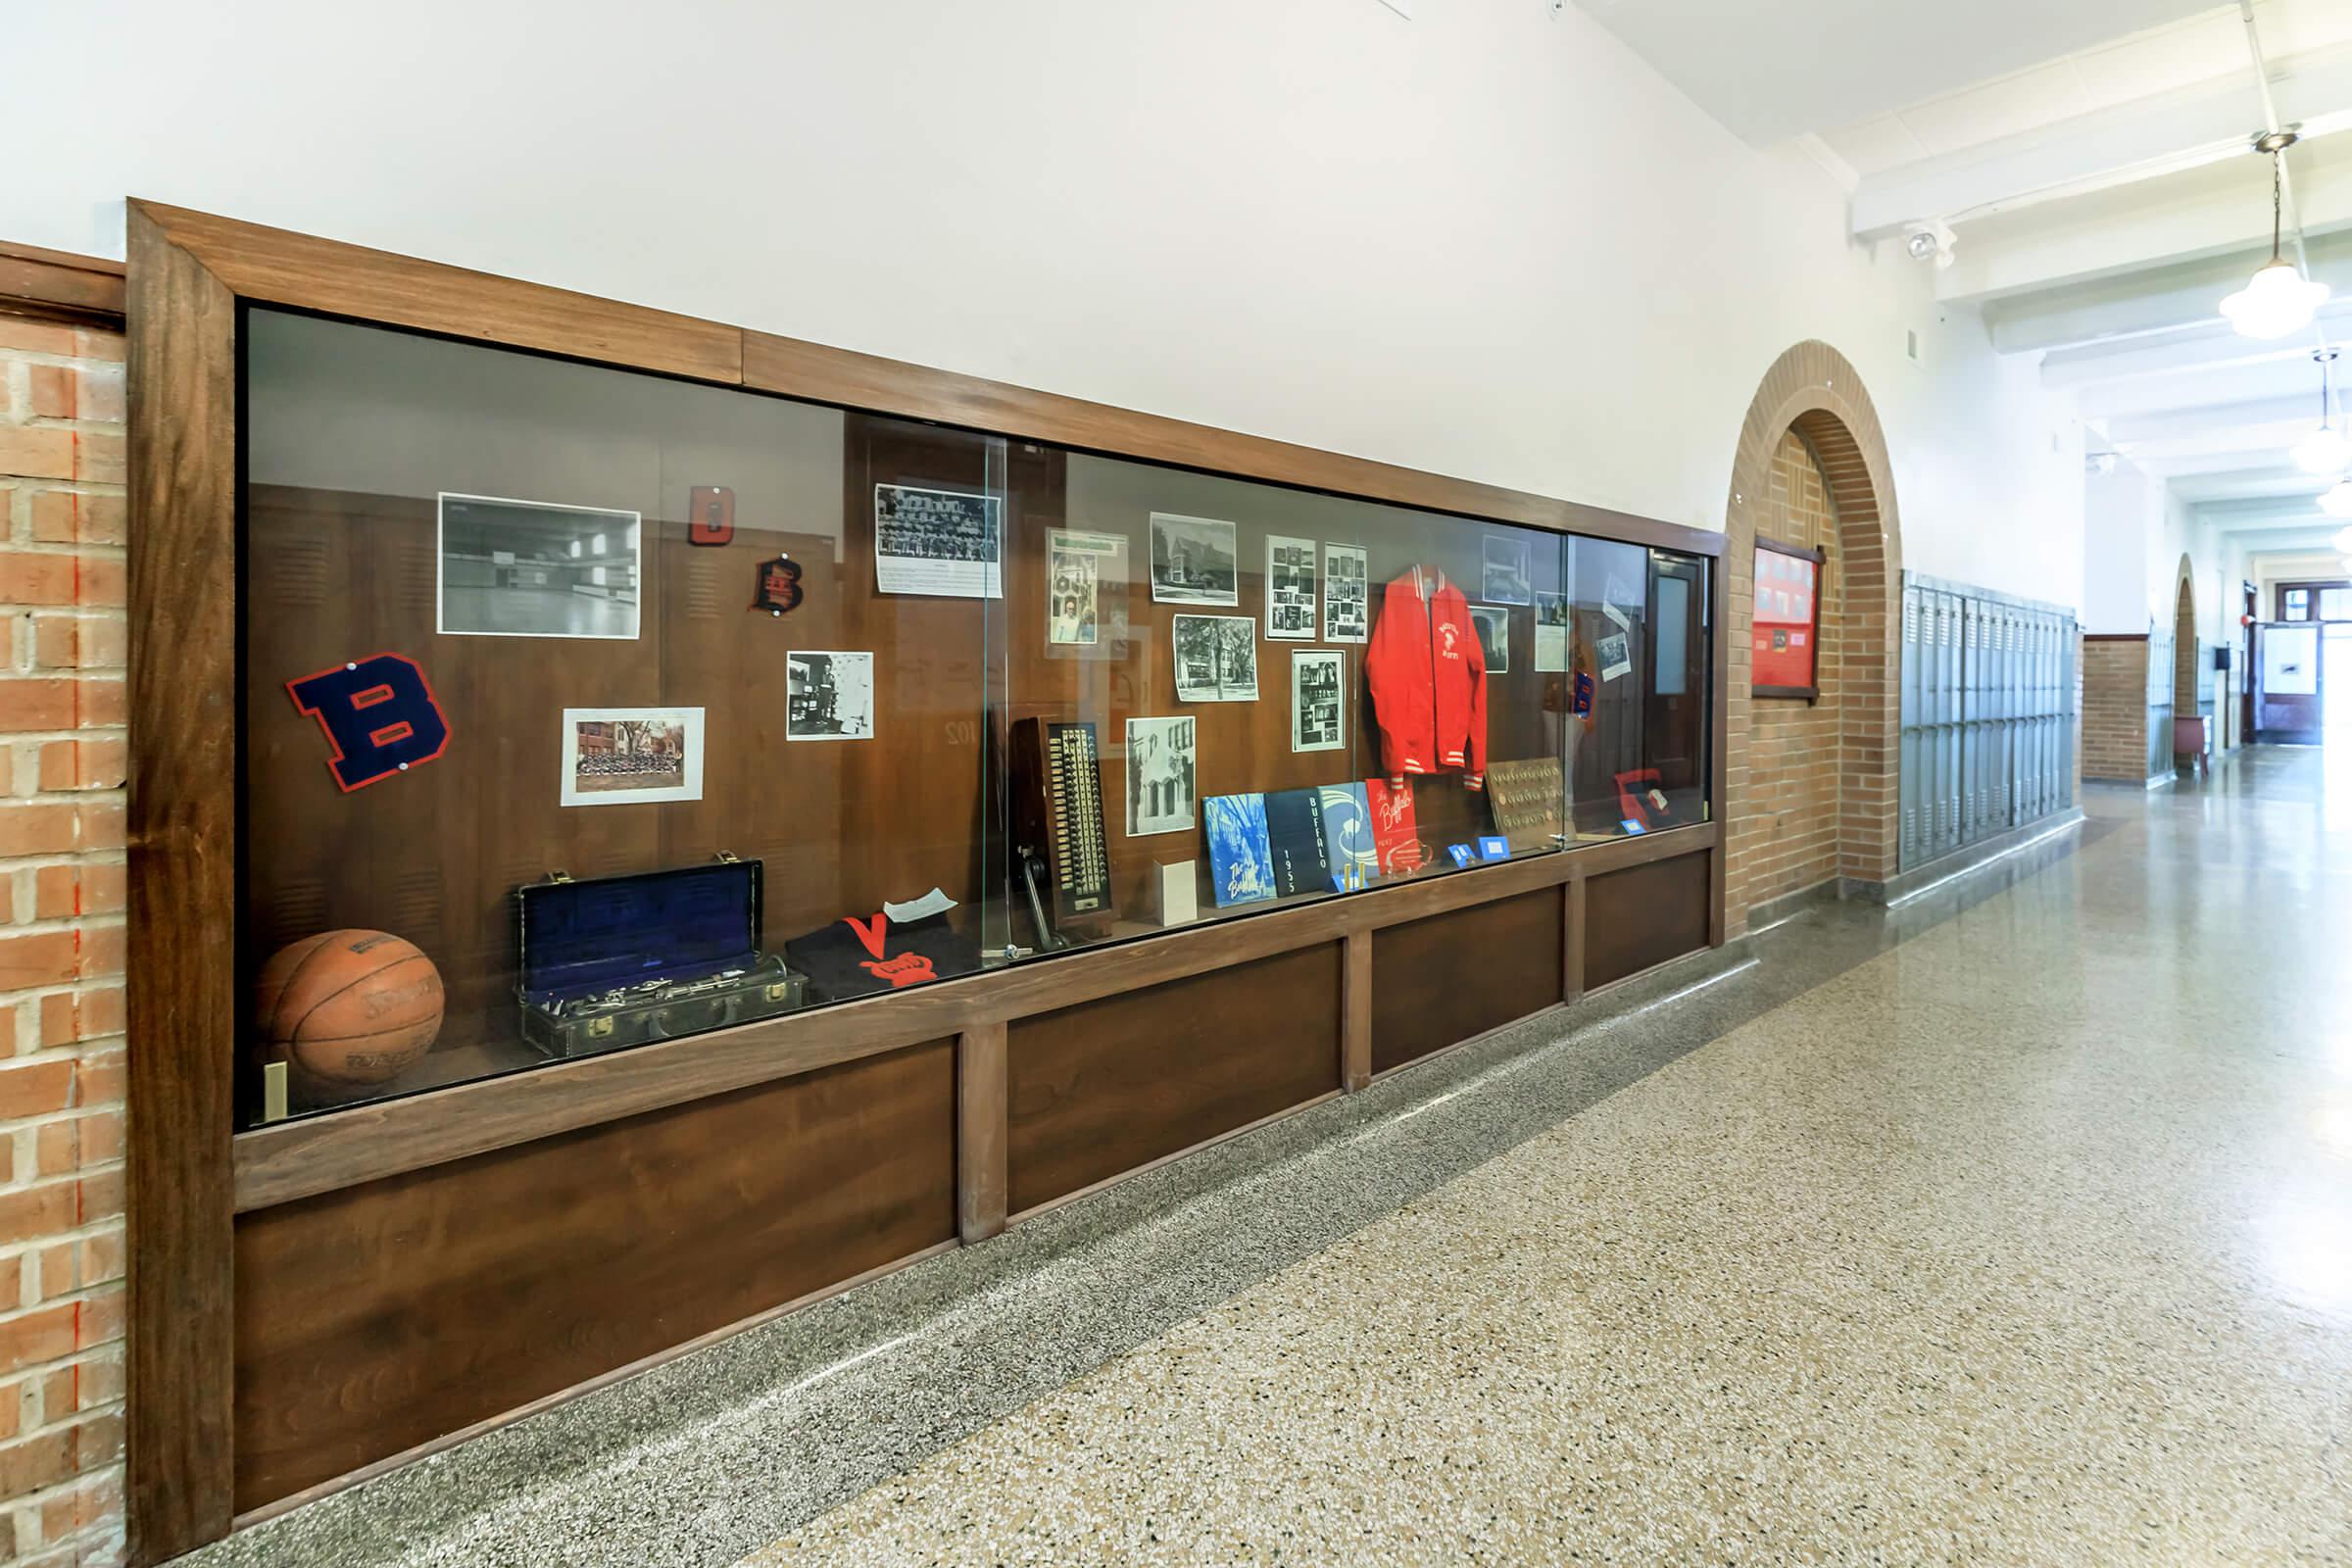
(379, 716)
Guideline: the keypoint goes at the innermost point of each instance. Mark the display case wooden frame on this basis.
(1810, 691)
(191, 1179)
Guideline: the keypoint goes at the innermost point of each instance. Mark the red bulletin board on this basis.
(1785, 633)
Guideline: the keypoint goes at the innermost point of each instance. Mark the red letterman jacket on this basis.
(1429, 680)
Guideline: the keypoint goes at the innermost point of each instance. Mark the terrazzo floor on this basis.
(2027, 1240)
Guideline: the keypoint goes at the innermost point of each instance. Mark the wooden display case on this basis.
(316, 1300)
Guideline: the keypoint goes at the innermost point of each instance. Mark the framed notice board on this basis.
(1785, 635)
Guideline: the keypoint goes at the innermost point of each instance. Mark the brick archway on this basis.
(1812, 396)
(2186, 674)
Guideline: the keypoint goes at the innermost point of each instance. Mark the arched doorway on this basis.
(2185, 704)
(1810, 786)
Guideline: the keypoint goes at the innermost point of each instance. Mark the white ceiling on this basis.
(2191, 49)
(2091, 159)
(1772, 68)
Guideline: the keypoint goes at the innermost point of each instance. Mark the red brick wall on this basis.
(2115, 708)
(1789, 821)
(61, 945)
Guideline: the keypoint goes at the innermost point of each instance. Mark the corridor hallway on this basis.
(2028, 1239)
(2012, 1226)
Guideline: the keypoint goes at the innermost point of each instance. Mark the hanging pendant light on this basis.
(2324, 451)
(2278, 299)
(2337, 503)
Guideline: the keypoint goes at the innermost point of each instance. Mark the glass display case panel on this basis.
(585, 708)
(581, 708)
(1229, 696)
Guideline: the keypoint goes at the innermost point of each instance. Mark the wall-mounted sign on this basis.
(1785, 633)
(710, 514)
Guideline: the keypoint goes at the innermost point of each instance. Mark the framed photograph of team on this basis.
(631, 756)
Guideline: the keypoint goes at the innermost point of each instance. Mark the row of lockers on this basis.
(1988, 716)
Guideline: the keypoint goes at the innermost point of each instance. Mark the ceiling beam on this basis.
(2181, 350)
(2131, 305)
(2109, 147)
(2090, 242)
(2219, 423)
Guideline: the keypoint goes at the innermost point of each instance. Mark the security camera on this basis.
(1931, 239)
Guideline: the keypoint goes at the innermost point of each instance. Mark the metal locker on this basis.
(1907, 779)
(1986, 717)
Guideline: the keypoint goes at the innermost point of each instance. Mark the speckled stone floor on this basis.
(2012, 1225)
(2026, 1240)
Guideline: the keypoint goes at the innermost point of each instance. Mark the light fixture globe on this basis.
(2337, 503)
(2342, 540)
(2323, 451)
(2277, 301)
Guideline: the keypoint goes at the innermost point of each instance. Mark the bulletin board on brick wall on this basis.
(1785, 632)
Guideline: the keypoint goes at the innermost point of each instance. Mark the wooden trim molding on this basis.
(1356, 1011)
(60, 287)
(982, 1132)
(275, 266)
(888, 386)
(182, 896)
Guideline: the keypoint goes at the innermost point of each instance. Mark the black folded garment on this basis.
(864, 954)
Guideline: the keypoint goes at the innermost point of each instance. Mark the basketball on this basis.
(349, 1007)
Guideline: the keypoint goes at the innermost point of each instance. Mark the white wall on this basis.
(1485, 241)
(2122, 513)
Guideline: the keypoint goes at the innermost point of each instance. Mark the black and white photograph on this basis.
(1347, 594)
(829, 697)
(1318, 700)
(946, 544)
(1493, 637)
(1290, 589)
(1615, 654)
(1551, 633)
(1159, 776)
(1506, 581)
(1217, 658)
(534, 568)
(1194, 560)
(1076, 563)
(631, 756)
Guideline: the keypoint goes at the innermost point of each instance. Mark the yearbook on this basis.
(1240, 864)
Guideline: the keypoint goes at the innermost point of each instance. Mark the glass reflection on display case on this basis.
(584, 708)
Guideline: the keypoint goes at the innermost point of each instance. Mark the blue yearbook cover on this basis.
(1347, 837)
(1295, 834)
(1239, 862)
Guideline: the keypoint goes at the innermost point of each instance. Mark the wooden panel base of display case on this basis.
(379, 1318)
(1640, 917)
(1440, 981)
(1101, 1090)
